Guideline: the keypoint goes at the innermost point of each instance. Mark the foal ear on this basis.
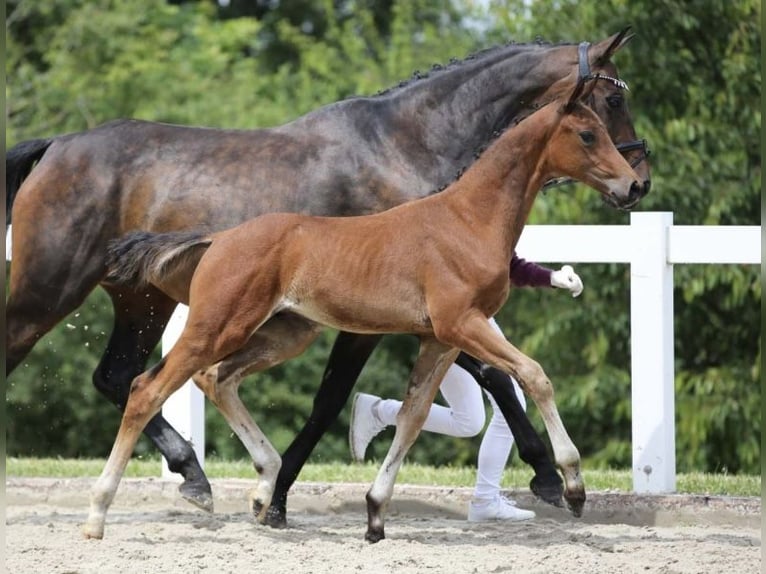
(604, 50)
(579, 92)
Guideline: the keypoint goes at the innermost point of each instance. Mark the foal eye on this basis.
(614, 101)
(587, 137)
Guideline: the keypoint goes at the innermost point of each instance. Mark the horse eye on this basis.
(614, 101)
(587, 137)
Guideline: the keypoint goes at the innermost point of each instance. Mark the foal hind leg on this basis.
(139, 320)
(211, 333)
(282, 337)
(430, 367)
(148, 392)
(349, 355)
(224, 395)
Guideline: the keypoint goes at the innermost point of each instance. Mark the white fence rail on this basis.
(652, 245)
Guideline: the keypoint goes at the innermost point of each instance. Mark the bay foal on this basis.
(436, 268)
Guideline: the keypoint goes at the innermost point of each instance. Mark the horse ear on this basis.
(604, 50)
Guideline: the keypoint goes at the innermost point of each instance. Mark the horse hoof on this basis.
(374, 535)
(550, 493)
(274, 517)
(197, 494)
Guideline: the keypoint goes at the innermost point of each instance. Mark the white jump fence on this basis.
(651, 245)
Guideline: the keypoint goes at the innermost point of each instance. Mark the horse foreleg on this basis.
(474, 335)
(546, 483)
(139, 320)
(432, 363)
(349, 355)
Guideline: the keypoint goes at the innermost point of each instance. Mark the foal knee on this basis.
(535, 382)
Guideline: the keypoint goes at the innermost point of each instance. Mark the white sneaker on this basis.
(364, 425)
(498, 508)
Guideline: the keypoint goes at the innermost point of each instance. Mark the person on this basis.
(465, 415)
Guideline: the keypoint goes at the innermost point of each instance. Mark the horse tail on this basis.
(141, 258)
(18, 163)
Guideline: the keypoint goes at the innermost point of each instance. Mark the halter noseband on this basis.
(584, 72)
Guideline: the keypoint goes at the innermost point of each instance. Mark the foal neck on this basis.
(497, 193)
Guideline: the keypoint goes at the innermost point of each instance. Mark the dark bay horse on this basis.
(436, 267)
(361, 155)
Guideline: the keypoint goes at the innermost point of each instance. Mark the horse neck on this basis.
(455, 112)
(496, 195)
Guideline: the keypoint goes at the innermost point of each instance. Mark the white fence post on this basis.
(652, 354)
(8, 243)
(184, 409)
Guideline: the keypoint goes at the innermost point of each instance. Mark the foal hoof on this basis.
(575, 503)
(198, 494)
(273, 517)
(92, 532)
(549, 492)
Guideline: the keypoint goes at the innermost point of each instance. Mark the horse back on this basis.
(163, 177)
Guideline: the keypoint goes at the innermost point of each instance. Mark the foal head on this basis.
(580, 147)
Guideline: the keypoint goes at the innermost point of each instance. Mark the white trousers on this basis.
(465, 417)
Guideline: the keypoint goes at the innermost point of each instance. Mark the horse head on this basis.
(607, 97)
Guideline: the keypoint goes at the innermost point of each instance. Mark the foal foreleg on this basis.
(433, 361)
(475, 336)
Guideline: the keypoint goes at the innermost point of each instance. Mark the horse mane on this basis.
(453, 63)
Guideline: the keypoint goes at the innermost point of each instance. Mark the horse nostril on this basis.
(647, 186)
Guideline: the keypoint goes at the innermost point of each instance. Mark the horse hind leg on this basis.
(34, 306)
(432, 363)
(349, 354)
(139, 321)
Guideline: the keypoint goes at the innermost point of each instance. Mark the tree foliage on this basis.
(695, 78)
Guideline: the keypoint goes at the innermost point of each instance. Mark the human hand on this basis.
(566, 278)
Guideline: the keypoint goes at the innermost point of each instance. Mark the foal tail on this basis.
(18, 163)
(140, 258)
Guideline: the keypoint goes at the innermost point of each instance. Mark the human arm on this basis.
(525, 273)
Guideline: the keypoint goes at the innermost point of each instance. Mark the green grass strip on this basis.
(514, 478)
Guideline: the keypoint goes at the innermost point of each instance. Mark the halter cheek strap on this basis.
(583, 68)
(582, 54)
